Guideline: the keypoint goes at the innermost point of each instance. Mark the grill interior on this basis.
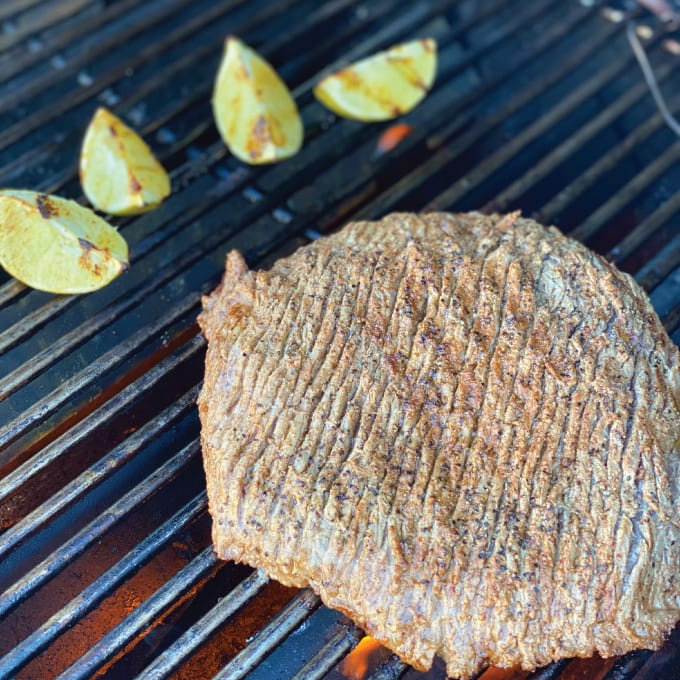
(105, 560)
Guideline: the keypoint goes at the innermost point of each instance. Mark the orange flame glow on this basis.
(392, 137)
(356, 664)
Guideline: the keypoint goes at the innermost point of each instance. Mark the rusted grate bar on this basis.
(143, 616)
(96, 473)
(173, 656)
(65, 554)
(93, 594)
(117, 404)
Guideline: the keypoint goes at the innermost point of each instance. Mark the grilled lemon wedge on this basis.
(382, 86)
(56, 245)
(118, 171)
(254, 110)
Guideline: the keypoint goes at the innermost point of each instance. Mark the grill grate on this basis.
(105, 559)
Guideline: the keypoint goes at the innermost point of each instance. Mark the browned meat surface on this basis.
(462, 431)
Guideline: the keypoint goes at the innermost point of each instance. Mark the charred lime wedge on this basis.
(254, 110)
(382, 86)
(57, 245)
(118, 171)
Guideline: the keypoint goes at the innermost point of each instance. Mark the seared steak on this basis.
(463, 431)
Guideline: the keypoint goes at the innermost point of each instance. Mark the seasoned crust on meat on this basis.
(461, 430)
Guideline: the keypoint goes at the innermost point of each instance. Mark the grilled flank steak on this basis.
(462, 431)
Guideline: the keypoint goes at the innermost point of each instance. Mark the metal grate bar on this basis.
(86, 33)
(47, 15)
(97, 591)
(143, 616)
(661, 265)
(447, 153)
(96, 473)
(32, 122)
(51, 402)
(392, 669)
(41, 360)
(622, 197)
(10, 290)
(592, 174)
(322, 662)
(33, 319)
(551, 672)
(117, 404)
(628, 666)
(565, 106)
(61, 557)
(173, 656)
(551, 160)
(646, 228)
(10, 7)
(282, 625)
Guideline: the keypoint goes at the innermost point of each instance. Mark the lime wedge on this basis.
(118, 170)
(56, 245)
(382, 86)
(254, 111)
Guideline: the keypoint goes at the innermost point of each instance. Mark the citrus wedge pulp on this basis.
(57, 245)
(118, 171)
(382, 86)
(254, 110)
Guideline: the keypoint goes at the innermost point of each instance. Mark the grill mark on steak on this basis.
(305, 394)
(566, 454)
(593, 599)
(477, 446)
(439, 449)
(634, 545)
(380, 270)
(456, 415)
(497, 496)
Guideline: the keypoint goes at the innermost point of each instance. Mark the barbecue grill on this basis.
(106, 567)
